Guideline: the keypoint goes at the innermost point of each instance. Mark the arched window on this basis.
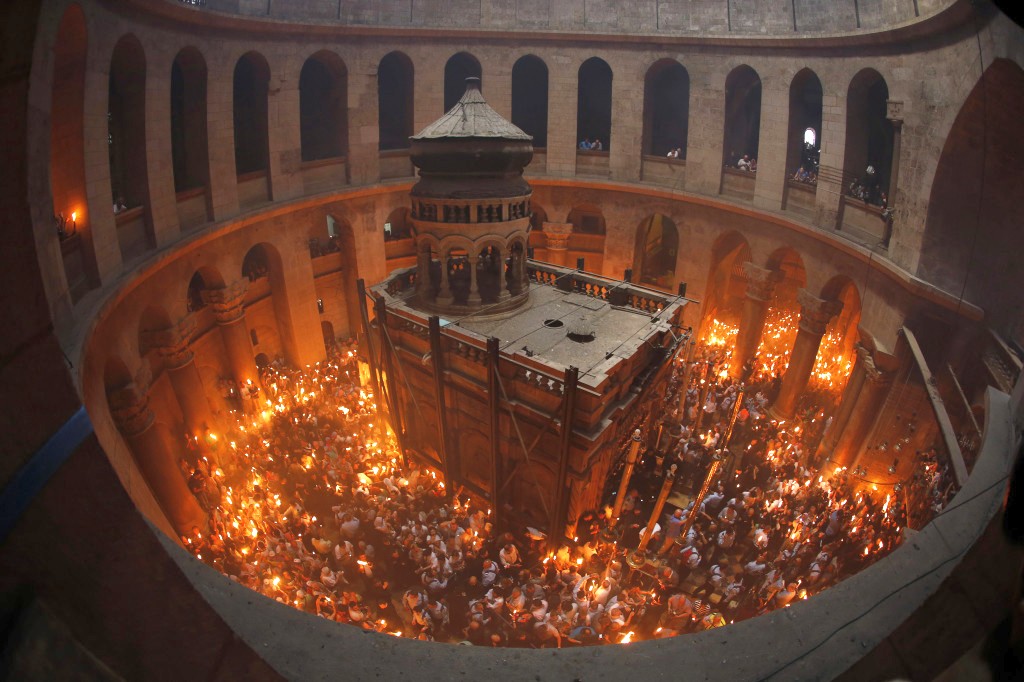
(742, 115)
(188, 120)
(395, 87)
(126, 119)
(587, 220)
(594, 103)
(530, 98)
(869, 138)
(251, 82)
(803, 148)
(398, 225)
(666, 109)
(460, 67)
(256, 264)
(323, 107)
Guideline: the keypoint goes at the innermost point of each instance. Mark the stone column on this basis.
(561, 150)
(157, 455)
(770, 180)
(760, 288)
(815, 314)
(444, 292)
(474, 289)
(863, 413)
(284, 159)
(163, 205)
(220, 127)
(229, 309)
(173, 346)
(833, 157)
(853, 385)
(503, 293)
(558, 242)
(894, 112)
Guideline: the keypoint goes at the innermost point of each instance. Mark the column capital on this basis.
(558, 235)
(872, 372)
(228, 303)
(894, 111)
(172, 343)
(129, 407)
(760, 281)
(816, 313)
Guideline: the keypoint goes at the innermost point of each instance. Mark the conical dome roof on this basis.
(472, 117)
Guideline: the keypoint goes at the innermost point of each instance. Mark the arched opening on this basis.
(67, 153)
(266, 303)
(256, 264)
(666, 109)
(250, 87)
(869, 138)
(530, 98)
(803, 148)
(126, 128)
(725, 289)
(188, 121)
(742, 117)
(538, 217)
(457, 69)
(395, 88)
(337, 287)
(398, 225)
(587, 219)
(971, 241)
(841, 336)
(203, 279)
(657, 246)
(323, 107)
(594, 105)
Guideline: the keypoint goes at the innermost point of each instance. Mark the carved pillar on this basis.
(157, 455)
(229, 309)
(474, 288)
(846, 402)
(874, 388)
(760, 288)
(503, 293)
(815, 314)
(558, 242)
(444, 293)
(173, 346)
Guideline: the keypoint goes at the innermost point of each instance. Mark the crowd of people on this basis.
(591, 146)
(808, 177)
(313, 504)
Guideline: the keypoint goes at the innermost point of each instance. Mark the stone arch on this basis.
(400, 222)
(250, 86)
(666, 108)
(457, 69)
(396, 79)
(538, 216)
(126, 120)
(869, 134)
(656, 251)
(205, 278)
(594, 102)
(189, 152)
(726, 283)
(587, 219)
(805, 111)
(787, 261)
(971, 242)
(742, 114)
(67, 153)
(843, 289)
(323, 107)
(530, 98)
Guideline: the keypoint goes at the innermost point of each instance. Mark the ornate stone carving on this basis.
(558, 235)
(130, 409)
(228, 303)
(816, 313)
(761, 281)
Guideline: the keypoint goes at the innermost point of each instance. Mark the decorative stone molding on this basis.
(761, 281)
(129, 407)
(228, 303)
(816, 313)
(558, 235)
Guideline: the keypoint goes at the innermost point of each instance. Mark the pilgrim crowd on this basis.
(313, 504)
